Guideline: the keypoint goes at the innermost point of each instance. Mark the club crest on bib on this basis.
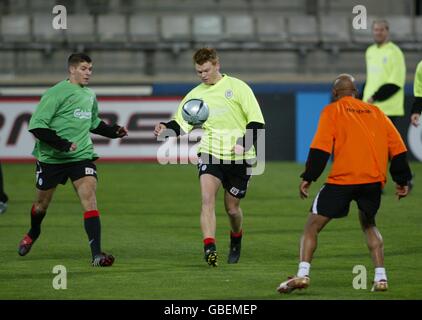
(229, 94)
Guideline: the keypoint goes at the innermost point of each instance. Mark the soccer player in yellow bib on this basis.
(417, 91)
(385, 73)
(224, 150)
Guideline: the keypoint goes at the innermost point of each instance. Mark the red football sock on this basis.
(208, 241)
(236, 234)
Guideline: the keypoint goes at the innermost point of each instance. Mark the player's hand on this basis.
(238, 149)
(122, 132)
(370, 100)
(401, 191)
(159, 128)
(304, 189)
(414, 119)
(73, 147)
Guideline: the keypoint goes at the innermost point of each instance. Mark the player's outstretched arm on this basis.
(171, 125)
(159, 128)
(110, 131)
(50, 137)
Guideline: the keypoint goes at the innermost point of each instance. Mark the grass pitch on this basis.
(150, 222)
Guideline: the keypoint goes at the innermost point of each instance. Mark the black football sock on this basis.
(236, 237)
(93, 230)
(36, 219)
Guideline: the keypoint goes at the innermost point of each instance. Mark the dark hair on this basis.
(204, 55)
(76, 58)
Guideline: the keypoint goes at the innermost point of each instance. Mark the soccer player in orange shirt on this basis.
(362, 140)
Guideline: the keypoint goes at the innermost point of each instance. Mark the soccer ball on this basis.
(195, 112)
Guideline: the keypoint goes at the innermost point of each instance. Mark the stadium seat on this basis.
(271, 28)
(17, 6)
(303, 29)
(43, 30)
(111, 28)
(80, 28)
(207, 27)
(418, 29)
(7, 62)
(16, 28)
(239, 27)
(175, 27)
(401, 28)
(41, 6)
(285, 6)
(143, 28)
(335, 29)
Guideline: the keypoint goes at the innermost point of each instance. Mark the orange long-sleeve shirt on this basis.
(362, 139)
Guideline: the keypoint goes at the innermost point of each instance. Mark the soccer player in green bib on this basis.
(3, 196)
(225, 148)
(62, 123)
(417, 91)
(385, 73)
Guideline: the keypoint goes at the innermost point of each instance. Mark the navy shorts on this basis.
(232, 175)
(333, 200)
(49, 175)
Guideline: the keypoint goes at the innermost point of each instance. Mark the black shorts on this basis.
(49, 175)
(333, 200)
(232, 175)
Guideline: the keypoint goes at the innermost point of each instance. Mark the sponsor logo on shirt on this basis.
(358, 111)
(80, 114)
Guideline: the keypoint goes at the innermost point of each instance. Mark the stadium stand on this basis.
(271, 28)
(401, 29)
(43, 31)
(143, 28)
(303, 29)
(160, 33)
(175, 27)
(16, 28)
(418, 29)
(112, 27)
(81, 28)
(209, 27)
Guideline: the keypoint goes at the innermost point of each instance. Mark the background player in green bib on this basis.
(62, 123)
(417, 91)
(225, 148)
(3, 196)
(385, 73)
